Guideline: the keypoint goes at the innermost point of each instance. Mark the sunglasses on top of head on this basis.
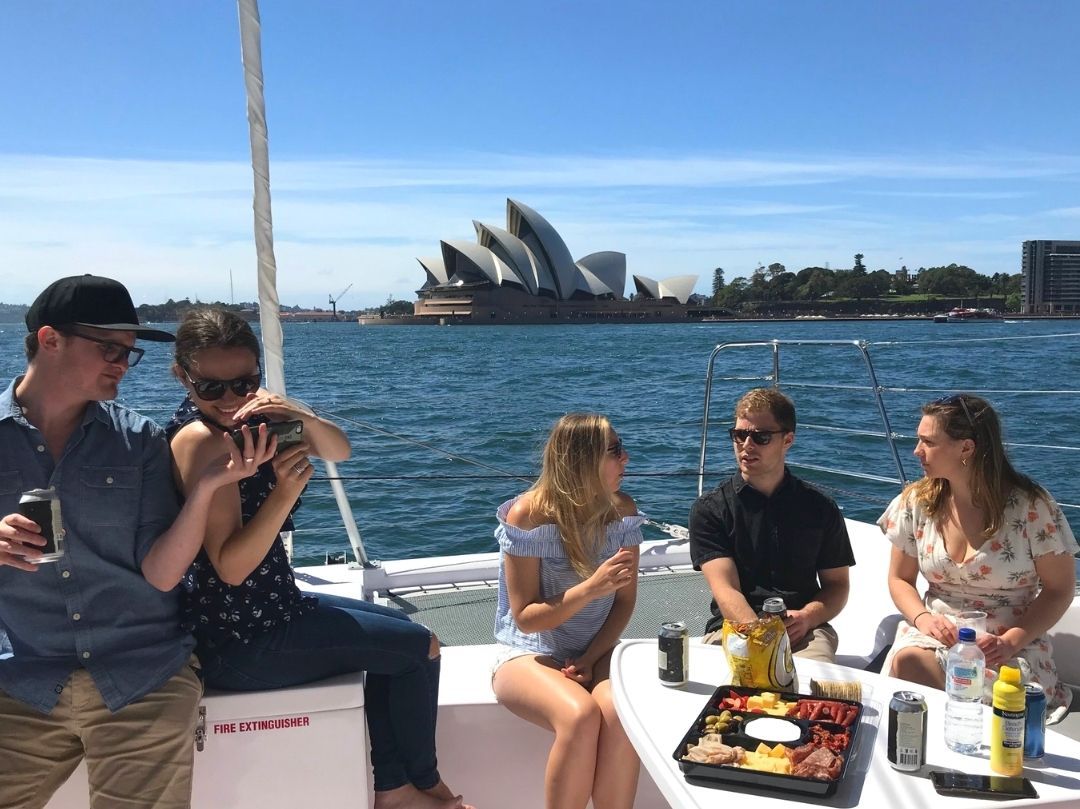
(110, 351)
(957, 398)
(213, 389)
(759, 437)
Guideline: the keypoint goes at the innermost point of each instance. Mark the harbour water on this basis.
(417, 401)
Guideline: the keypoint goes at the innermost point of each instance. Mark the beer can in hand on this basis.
(43, 507)
(674, 653)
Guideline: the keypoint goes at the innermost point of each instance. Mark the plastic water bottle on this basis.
(964, 687)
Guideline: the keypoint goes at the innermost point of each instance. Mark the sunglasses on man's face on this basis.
(110, 351)
(213, 389)
(759, 437)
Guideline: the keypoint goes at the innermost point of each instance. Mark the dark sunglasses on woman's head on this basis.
(956, 398)
(617, 449)
(759, 437)
(110, 351)
(213, 389)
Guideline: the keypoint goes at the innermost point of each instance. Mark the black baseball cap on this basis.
(89, 300)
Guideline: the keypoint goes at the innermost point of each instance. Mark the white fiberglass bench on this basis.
(282, 749)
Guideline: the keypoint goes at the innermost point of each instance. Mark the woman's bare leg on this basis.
(918, 665)
(539, 693)
(617, 764)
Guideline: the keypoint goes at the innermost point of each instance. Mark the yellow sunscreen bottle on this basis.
(1007, 724)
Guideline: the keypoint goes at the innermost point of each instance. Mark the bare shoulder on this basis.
(625, 505)
(521, 514)
(195, 444)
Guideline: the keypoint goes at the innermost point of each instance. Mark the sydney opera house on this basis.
(525, 274)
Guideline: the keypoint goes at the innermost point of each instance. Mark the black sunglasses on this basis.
(110, 351)
(213, 389)
(617, 449)
(759, 437)
(957, 398)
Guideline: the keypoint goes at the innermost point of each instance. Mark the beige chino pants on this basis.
(137, 758)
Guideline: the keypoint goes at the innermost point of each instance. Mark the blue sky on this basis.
(687, 135)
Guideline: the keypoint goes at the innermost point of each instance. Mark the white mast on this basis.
(269, 318)
(269, 305)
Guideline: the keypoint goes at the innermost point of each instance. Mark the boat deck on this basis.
(464, 615)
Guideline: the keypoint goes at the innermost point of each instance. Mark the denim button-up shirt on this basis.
(92, 607)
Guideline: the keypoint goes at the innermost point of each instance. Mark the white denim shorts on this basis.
(507, 653)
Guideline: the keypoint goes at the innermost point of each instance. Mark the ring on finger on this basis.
(249, 460)
(300, 467)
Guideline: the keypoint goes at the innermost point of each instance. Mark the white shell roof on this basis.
(468, 261)
(679, 287)
(588, 282)
(531, 255)
(435, 269)
(545, 243)
(609, 267)
(516, 253)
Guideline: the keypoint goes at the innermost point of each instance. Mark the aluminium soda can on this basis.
(1034, 720)
(673, 659)
(907, 731)
(43, 507)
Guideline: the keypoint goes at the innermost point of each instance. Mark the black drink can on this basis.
(907, 731)
(43, 507)
(674, 653)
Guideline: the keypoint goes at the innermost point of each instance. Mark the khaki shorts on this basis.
(819, 644)
(137, 758)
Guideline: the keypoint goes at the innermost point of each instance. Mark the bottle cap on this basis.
(967, 634)
(1009, 674)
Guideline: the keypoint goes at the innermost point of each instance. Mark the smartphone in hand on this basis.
(287, 432)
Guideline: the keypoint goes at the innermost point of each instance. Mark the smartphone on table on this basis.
(982, 786)
(287, 432)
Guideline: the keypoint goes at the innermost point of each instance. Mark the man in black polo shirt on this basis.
(765, 533)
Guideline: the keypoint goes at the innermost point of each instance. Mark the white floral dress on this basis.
(999, 579)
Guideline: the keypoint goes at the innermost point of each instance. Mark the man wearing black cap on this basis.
(96, 665)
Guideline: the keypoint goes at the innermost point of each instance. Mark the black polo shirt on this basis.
(779, 543)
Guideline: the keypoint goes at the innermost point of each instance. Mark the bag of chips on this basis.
(759, 654)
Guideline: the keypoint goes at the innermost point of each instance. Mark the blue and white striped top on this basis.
(557, 575)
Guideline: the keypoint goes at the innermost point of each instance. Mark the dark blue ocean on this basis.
(420, 403)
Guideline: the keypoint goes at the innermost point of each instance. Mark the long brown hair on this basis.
(993, 477)
(570, 491)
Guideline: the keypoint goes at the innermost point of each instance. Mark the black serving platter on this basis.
(719, 774)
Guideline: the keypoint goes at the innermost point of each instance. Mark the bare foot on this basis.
(443, 792)
(409, 797)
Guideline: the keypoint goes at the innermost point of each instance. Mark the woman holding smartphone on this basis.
(255, 630)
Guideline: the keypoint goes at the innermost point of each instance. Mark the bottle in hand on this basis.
(964, 675)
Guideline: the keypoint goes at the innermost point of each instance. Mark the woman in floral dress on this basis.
(985, 537)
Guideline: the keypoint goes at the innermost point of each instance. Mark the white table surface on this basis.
(656, 717)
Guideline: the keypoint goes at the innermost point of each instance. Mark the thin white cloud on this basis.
(176, 228)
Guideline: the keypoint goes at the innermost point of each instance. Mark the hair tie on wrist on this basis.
(917, 617)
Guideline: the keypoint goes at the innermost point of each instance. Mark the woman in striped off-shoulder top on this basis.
(567, 584)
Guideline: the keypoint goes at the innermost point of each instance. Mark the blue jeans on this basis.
(344, 635)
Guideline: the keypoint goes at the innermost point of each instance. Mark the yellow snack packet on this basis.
(759, 654)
